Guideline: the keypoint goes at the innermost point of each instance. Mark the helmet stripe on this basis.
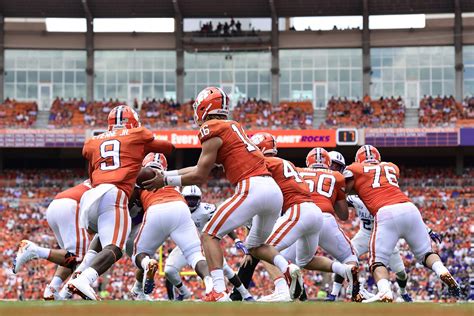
(368, 155)
(224, 98)
(118, 118)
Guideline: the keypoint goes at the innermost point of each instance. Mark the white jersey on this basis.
(366, 219)
(203, 214)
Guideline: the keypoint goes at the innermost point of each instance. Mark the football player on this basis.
(201, 213)
(257, 195)
(114, 162)
(395, 217)
(62, 216)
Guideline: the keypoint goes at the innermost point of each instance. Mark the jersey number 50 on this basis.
(110, 151)
(320, 185)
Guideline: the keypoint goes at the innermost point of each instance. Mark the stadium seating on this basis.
(443, 111)
(444, 199)
(15, 114)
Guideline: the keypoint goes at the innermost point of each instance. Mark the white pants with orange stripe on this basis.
(258, 199)
(298, 228)
(402, 220)
(360, 242)
(335, 242)
(173, 220)
(112, 221)
(63, 218)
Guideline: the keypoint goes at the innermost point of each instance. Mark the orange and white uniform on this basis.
(115, 159)
(167, 215)
(63, 218)
(395, 216)
(257, 196)
(302, 220)
(327, 187)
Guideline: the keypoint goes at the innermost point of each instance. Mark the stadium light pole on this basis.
(275, 55)
(89, 52)
(2, 56)
(458, 59)
(366, 66)
(178, 35)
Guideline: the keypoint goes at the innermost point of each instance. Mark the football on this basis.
(144, 175)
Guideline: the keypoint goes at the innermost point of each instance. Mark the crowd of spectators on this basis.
(444, 199)
(17, 114)
(444, 111)
(167, 114)
(226, 29)
(368, 112)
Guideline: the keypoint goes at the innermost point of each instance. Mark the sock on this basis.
(281, 263)
(402, 280)
(339, 268)
(280, 285)
(86, 262)
(218, 280)
(439, 268)
(383, 285)
(243, 291)
(43, 253)
(336, 288)
(208, 284)
(180, 285)
(56, 282)
(90, 274)
(145, 262)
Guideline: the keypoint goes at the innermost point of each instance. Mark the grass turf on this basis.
(130, 308)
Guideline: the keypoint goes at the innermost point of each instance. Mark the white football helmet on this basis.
(338, 163)
(192, 194)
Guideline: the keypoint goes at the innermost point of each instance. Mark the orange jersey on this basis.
(240, 158)
(326, 187)
(376, 184)
(294, 189)
(75, 193)
(115, 157)
(163, 195)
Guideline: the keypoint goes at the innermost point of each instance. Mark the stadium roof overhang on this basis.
(222, 8)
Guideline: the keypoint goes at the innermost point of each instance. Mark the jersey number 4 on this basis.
(389, 173)
(110, 151)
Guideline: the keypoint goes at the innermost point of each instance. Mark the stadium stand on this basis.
(442, 111)
(444, 199)
(17, 114)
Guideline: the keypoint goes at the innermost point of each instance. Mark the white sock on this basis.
(339, 268)
(208, 284)
(90, 274)
(402, 290)
(243, 291)
(145, 262)
(218, 280)
(86, 261)
(336, 288)
(43, 253)
(281, 263)
(138, 286)
(280, 285)
(56, 282)
(383, 285)
(439, 268)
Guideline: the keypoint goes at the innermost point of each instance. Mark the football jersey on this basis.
(115, 157)
(163, 195)
(202, 214)
(240, 158)
(376, 184)
(366, 219)
(294, 189)
(75, 193)
(326, 187)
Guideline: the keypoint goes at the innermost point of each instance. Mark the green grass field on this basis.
(129, 308)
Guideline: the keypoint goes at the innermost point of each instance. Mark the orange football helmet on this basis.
(266, 142)
(367, 153)
(155, 160)
(318, 158)
(123, 116)
(211, 100)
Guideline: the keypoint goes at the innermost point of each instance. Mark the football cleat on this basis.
(330, 298)
(249, 299)
(214, 296)
(276, 297)
(51, 294)
(65, 294)
(136, 293)
(385, 297)
(27, 251)
(365, 294)
(149, 276)
(81, 287)
(453, 286)
(181, 294)
(355, 296)
(407, 298)
(293, 278)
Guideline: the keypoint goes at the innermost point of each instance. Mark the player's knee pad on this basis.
(172, 274)
(193, 254)
(376, 265)
(70, 261)
(425, 257)
(228, 272)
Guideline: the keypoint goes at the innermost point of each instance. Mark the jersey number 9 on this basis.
(110, 151)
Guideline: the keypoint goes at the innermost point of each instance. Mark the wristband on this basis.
(174, 181)
(171, 173)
